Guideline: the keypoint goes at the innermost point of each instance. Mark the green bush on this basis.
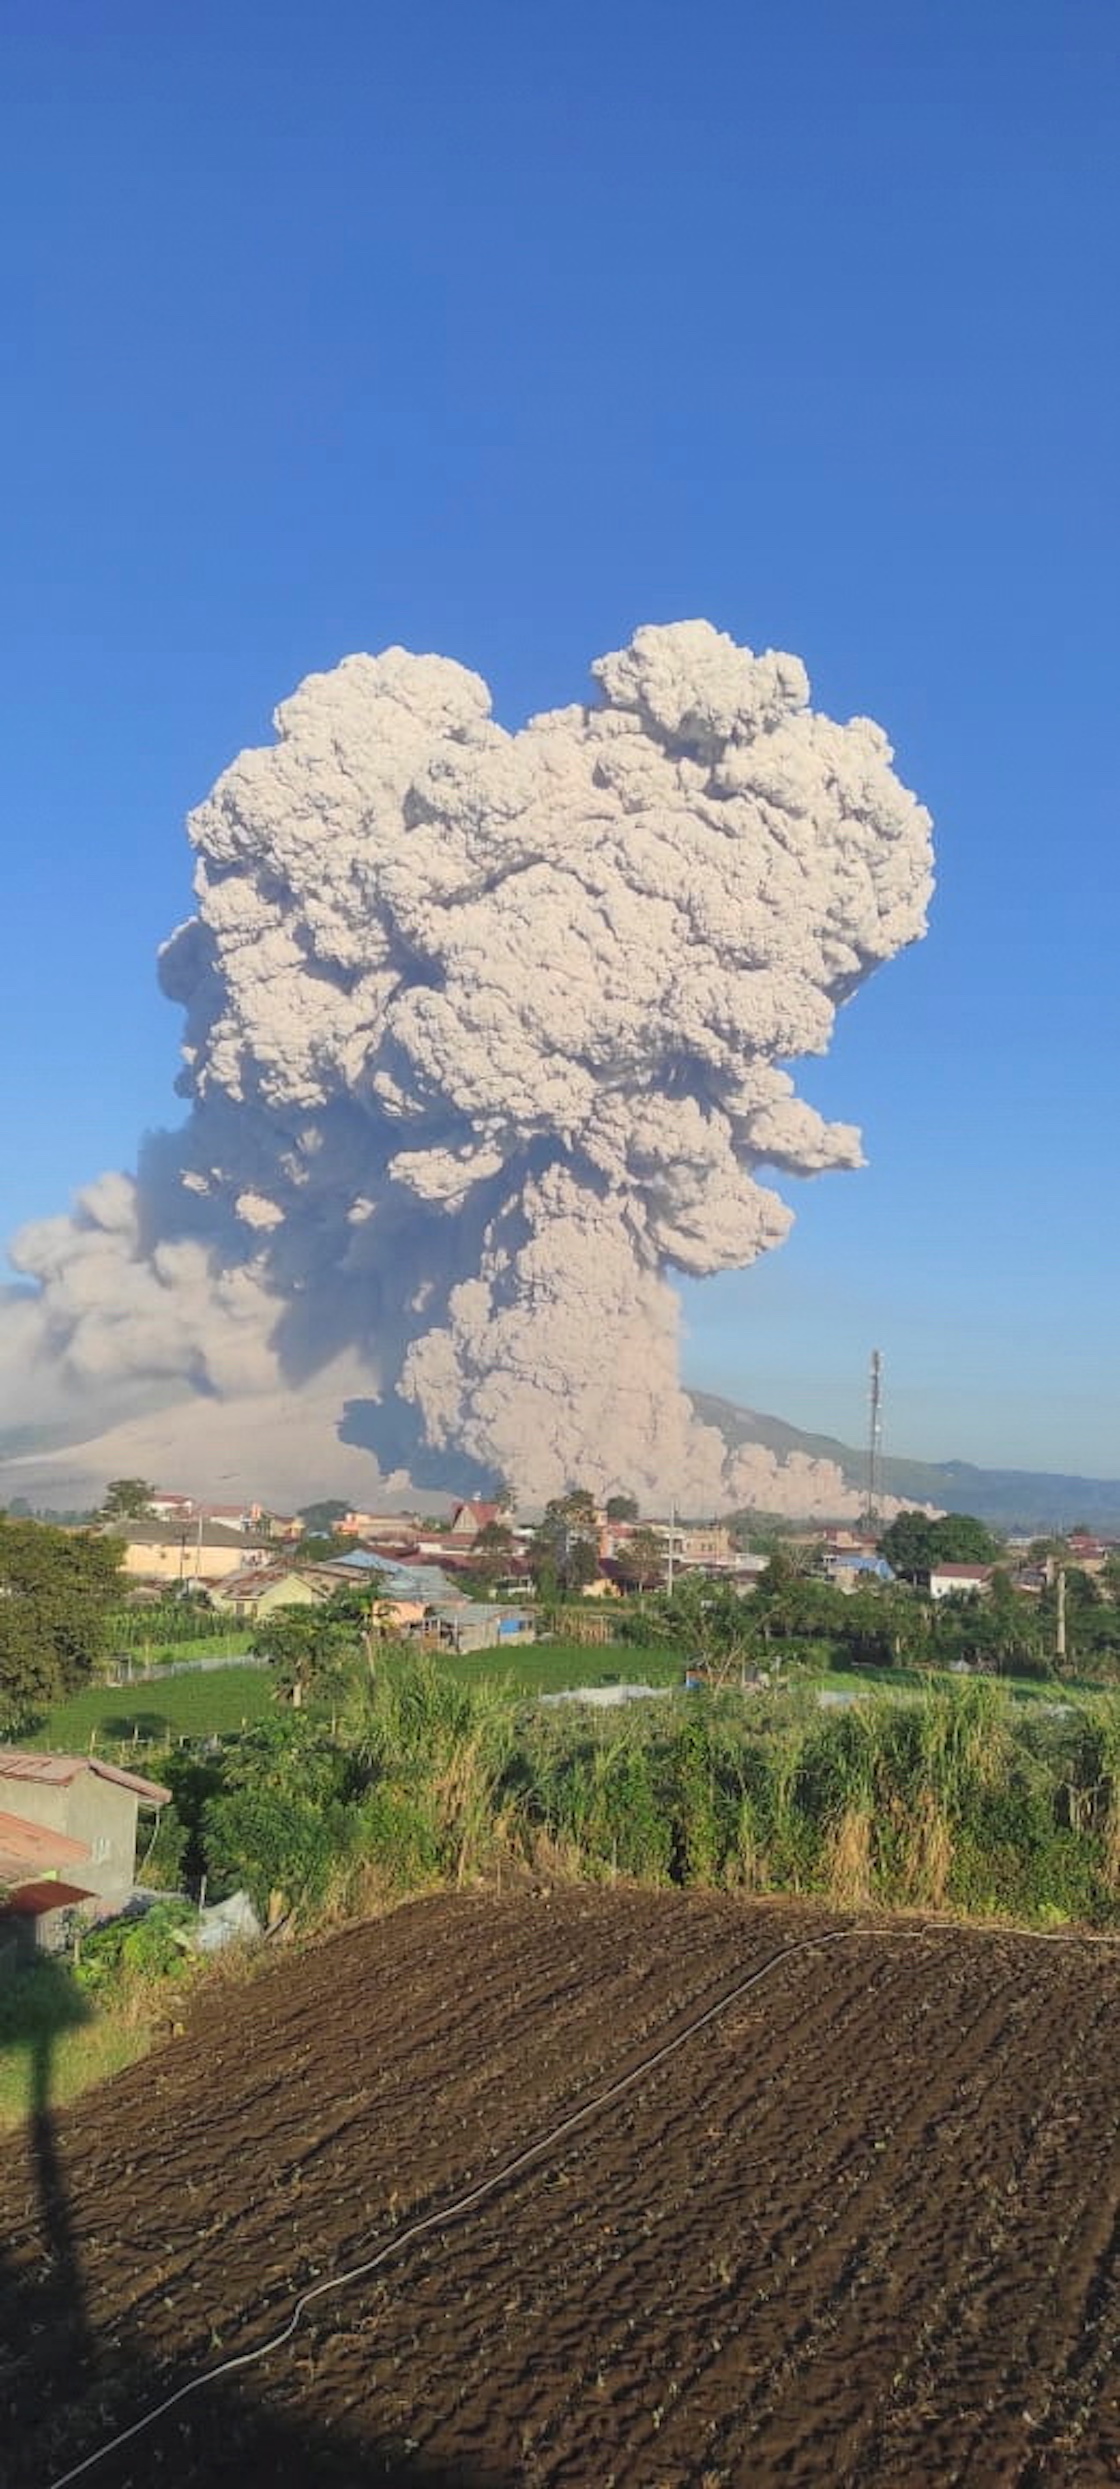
(400, 1833)
(268, 1842)
(149, 1948)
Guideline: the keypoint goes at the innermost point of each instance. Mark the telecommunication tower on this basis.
(874, 1442)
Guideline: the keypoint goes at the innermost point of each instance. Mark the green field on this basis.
(215, 1703)
(218, 1702)
(906, 1680)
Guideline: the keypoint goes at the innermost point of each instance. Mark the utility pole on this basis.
(874, 1441)
(672, 1542)
(1060, 1626)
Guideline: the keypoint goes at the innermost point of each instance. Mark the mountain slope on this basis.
(1011, 1499)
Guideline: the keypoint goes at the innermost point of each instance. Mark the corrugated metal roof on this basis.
(417, 1581)
(28, 1849)
(58, 1770)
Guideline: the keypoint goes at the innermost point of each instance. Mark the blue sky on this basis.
(498, 330)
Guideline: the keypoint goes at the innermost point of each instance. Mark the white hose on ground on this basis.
(466, 2202)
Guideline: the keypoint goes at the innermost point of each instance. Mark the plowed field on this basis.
(862, 2227)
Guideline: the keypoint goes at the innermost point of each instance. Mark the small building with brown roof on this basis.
(41, 1874)
(89, 1805)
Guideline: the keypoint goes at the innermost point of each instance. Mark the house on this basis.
(205, 1551)
(381, 1529)
(87, 1800)
(850, 1568)
(37, 1883)
(972, 1579)
(468, 1519)
(1089, 1554)
(176, 1508)
(68, 1833)
(265, 1587)
(478, 1625)
(694, 1544)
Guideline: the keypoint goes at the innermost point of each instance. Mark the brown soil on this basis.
(862, 2228)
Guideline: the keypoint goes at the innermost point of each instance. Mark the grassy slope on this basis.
(1011, 1499)
(54, 2044)
(213, 1704)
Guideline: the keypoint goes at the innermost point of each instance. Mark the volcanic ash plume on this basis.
(484, 1036)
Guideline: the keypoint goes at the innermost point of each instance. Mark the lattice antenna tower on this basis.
(874, 1441)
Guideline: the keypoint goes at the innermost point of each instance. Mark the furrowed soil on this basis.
(861, 2227)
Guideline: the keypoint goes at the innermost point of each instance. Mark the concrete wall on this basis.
(294, 1591)
(92, 1810)
(159, 1560)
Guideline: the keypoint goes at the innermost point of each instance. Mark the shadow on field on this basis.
(151, 1728)
(64, 2393)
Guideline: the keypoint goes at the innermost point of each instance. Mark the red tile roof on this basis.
(32, 1900)
(30, 1849)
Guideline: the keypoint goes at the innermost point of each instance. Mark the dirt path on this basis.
(863, 2228)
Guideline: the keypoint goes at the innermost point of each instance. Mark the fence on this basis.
(578, 1624)
(128, 1675)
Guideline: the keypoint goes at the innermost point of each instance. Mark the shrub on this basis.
(150, 1947)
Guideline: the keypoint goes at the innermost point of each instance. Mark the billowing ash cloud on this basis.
(484, 1037)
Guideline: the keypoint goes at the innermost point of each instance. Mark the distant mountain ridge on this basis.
(286, 1447)
(1010, 1499)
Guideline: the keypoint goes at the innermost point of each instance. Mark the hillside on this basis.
(1010, 1499)
(787, 2251)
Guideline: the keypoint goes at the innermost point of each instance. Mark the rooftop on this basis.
(59, 1770)
(33, 1849)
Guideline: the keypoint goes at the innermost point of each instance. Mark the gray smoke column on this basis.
(485, 1036)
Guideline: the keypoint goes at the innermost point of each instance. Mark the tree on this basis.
(785, 1599)
(308, 1650)
(57, 1588)
(491, 1557)
(622, 1508)
(127, 1499)
(564, 1551)
(959, 1538)
(914, 1543)
(907, 1544)
(280, 1821)
(640, 1560)
(719, 1630)
(320, 1520)
(320, 1548)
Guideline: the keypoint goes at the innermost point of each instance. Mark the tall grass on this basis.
(436, 1754)
(945, 1798)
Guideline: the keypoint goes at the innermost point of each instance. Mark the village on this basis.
(485, 1579)
(474, 1579)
